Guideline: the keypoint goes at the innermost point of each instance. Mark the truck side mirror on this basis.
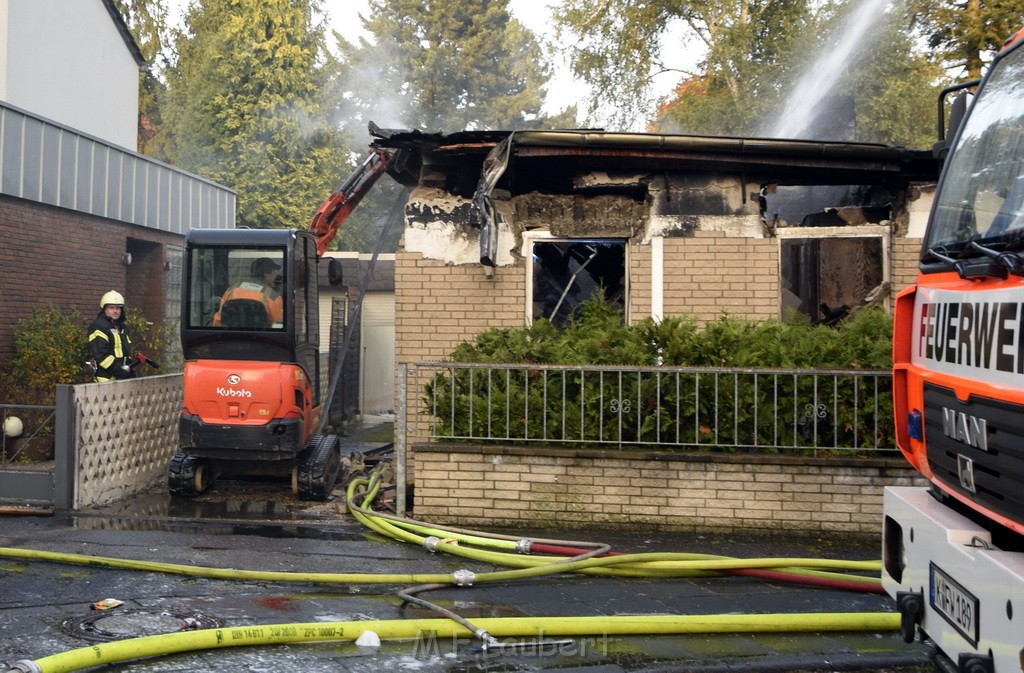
(956, 115)
(334, 272)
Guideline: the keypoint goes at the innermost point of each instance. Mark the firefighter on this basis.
(261, 288)
(109, 345)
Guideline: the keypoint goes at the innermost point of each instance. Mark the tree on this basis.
(755, 52)
(892, 87)
(616, 47)
(147, 21)
(245, 107)
(964, 33)
(463, 64)
(896, 89)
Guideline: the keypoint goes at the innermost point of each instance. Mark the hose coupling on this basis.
(25, 666)
(486, 638)
(431, 543)
(463, 578)
(524, 546)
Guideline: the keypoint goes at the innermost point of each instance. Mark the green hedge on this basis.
(525, 404)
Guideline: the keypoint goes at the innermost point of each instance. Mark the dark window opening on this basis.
(566, 274)
(825, 205)
(825, 278)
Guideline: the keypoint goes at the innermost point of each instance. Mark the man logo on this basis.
(234, 379)
(969, 430)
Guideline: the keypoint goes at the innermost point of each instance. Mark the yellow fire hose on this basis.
(409, 629)
(456, 542)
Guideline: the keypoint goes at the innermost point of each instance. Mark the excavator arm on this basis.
(339, 205)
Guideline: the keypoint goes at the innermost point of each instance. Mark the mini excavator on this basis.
(254, 394)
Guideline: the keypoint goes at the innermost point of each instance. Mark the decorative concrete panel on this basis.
(127, 433)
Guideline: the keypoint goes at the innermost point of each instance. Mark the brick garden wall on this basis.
(536, 487)
(56, 256)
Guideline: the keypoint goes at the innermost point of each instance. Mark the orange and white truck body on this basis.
(953, 552)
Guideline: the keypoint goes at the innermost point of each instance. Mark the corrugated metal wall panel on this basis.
(45, 162)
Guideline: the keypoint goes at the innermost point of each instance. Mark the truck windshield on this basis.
(982, 193)
(235, 288)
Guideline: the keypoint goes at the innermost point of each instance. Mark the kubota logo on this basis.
(234, 379)
(231, 392)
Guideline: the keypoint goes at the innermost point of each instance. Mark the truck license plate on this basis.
(957, 606)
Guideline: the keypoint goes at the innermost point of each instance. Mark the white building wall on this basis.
(66, 61)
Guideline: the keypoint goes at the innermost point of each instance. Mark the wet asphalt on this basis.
(46, 607)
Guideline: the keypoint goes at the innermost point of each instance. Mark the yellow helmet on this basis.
(111, 298)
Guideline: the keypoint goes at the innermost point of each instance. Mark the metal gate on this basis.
(36, 453)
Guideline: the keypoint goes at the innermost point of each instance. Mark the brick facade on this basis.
(905, 253)
(438, 305)
(69, 259)
(534, 487)
(712, 274)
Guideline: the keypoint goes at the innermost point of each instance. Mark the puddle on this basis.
(118, 624)
(263, 509)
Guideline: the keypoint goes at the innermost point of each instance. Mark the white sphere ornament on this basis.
(13, 427)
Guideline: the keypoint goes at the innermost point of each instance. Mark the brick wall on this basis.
(712, 274)
(55, 256)
(520, 487)
(437, 306)
(905, 253)
(640, 286)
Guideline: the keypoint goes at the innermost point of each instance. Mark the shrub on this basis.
(49, 350)
(159, 341)
(527, 403)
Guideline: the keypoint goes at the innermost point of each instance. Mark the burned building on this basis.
(503, 228)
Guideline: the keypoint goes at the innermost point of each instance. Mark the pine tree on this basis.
(462, 64)
(245, 107)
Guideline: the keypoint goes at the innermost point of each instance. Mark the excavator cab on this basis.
(253, 386)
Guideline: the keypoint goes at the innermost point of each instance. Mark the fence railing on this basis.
(36, 452)
(20, 426)
(810, 412)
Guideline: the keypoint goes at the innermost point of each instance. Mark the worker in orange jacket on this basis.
(260, 288)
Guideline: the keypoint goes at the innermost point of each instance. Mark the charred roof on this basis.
(550, 161)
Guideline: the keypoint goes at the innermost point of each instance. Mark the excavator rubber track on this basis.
(318, 468)
(188, 475)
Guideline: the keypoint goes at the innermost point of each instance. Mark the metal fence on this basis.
(35, 454)
(21, 426)
(809, 412)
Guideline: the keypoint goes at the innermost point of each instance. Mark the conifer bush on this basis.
(657, 405)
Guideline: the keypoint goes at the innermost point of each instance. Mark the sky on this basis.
(563, 89)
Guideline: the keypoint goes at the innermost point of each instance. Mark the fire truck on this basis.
(254, 394)
(953, 551)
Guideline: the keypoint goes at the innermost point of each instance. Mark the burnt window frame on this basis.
(532, 238)
(881, 232)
